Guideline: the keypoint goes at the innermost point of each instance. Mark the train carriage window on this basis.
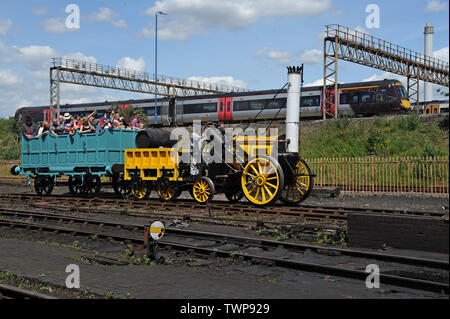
(150, 111)
(221, 107)
(402, 92)
(228, 106)
(309, 101)
(383, 94)
(200, 108)
(366, 97)
(241, 105)
(343, 98)
(257, 105)
(353, 98)
(276, 104)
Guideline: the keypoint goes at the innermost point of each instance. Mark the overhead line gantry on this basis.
(359, 47)
(104, 76)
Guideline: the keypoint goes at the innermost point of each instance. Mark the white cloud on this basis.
(318, 82)
(442, 54)
(287, 57)
(56, 26)
(5, 25)
(39, 11)
(128, 63)
(8, 78)
(79, 56)
(119, 24)
(108, 15)
(436, 6)
(220, 80)
(194, 17)
(312, 56)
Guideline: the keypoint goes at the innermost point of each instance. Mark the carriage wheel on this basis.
(92, 185)
(203, 190)
(75, 186)
(167, 190)
(141, 189)
(302, 185)
(262, 180)
(43, 185)
(121, 187)
(234, 196)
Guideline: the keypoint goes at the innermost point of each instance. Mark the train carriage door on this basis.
(328, 102)
(222, 115)
(229, 109)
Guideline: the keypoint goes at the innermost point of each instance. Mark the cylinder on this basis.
(293, 108)
(428, 48)
(154, 138)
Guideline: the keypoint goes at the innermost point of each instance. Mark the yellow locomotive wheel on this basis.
(203, 190)
(262, 180)
(140, 189)
(302, 185)
(167, 191)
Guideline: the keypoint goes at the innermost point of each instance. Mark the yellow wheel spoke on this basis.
(268, 191)
(271, 185)
(256, 171)
(263, 195)
(257, 194)
(252, 190)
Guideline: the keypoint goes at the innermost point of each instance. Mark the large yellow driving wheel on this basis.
(262, 180)
(167, 191)
(203, 190)
(140, 189)
(299, 189)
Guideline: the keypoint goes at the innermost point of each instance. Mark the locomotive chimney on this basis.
(293, 108)
(428, 50)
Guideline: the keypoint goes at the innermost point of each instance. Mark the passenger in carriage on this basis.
(56, 128)
(134, 124)
(105, 122)
(86, 126)
(44, 129)
(29, 129)
(68, 124)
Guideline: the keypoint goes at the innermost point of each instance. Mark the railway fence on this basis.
(383, 174)
(367, 174)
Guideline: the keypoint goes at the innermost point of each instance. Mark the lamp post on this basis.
(156, 64)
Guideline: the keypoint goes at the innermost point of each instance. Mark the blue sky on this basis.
(242, 43)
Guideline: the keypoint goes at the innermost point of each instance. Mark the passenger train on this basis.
(355, 99)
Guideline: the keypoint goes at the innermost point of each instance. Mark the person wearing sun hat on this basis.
(68, 123)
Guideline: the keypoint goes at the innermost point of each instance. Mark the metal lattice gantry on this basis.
(103, 76)
(358, 47)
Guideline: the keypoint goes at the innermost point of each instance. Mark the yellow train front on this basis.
(259, 170)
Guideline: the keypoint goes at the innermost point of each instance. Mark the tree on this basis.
(128, 113)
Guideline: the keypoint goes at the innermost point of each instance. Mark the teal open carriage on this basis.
(84, 158)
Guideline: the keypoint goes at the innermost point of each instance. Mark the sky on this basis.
(245, 43)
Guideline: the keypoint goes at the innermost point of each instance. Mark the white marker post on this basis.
(152, 234)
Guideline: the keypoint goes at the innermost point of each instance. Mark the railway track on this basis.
(255, 250)
(305, 212)
(12, 292)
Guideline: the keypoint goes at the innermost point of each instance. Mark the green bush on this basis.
(400, 136)
(9, 140)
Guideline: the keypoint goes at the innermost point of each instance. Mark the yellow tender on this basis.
(149, 163)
